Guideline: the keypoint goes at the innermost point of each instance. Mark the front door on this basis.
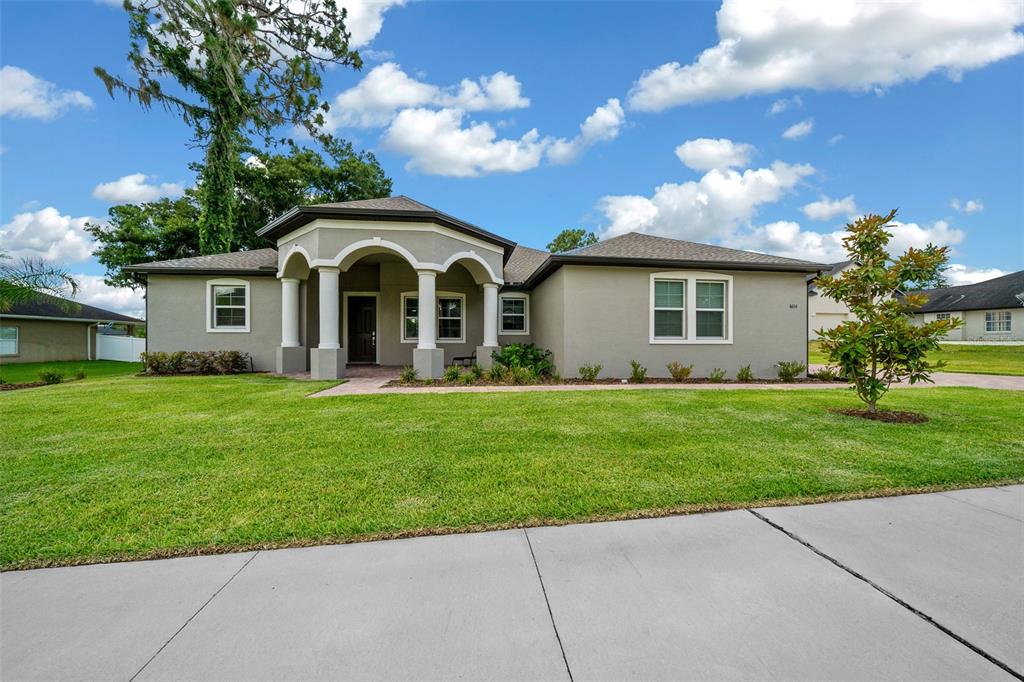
(362, 329)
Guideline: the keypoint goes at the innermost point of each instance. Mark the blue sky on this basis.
(889, 120)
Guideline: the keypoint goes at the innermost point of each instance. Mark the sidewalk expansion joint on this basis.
(917, 612)
(551, 614)
(190, 618)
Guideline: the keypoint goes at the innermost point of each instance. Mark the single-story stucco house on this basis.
(825, 313)
(49, 328)
(992, 310)
(347, 283)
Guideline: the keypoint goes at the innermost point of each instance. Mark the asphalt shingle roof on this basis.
(646, 246)
(242, 261)
(1002, 292)
(45, 305)
(399, 203)
(523, 262)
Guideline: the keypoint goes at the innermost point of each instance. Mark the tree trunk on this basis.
(217, 218)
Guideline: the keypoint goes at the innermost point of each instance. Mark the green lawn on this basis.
(136, 466)
(20, 373)
(964, 359)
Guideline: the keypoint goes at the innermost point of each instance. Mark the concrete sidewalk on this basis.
(924, 586)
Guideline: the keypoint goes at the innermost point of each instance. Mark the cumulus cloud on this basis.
(787, 238)
(47, 234)
(969, 206)
(780, 105)
(965, 274)
(771, 46)
(365, 19)
(826, 209)
(134, 189)
(386, 89)
(601, 126)
(23, 95)
(93, 291)
(705, 154)
(438, 144)
(798, 130)
(709, 208)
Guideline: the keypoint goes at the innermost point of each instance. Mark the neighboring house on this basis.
(51, 328)
(992, 310)
(822, 311)
(347, 283)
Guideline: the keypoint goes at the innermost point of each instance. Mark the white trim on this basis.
(210, 284)
(994, 313)
(17, 342)
(296, 249)
(5, 316)
(344, 321)
(373, 225)
(690, 324)
(437, 295)
(501, 315)
(472, 255)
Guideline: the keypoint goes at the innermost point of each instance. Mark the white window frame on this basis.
(526, 314)
(691, 277)
(943, 316)
(437, 317)
(724, 310)
(17, 341)
(991, 321)
(210, 311)
(655, 308)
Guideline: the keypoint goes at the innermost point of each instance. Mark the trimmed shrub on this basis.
(476, 371)
(451, 373)
(679, 371)
(80, 373)
(827, 374)
(196, 362)
(717, 375)
(498, 373)
(789, 370)
(589, 372)
(637, 372)
(744, 374)
(522, 375)
(50, 376)
(408, 374)
(468, 378)
(525, 355)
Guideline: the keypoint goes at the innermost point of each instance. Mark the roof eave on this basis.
(257, 272)
(57, 318)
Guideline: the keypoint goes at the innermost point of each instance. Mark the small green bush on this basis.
(637, 372)
(789, 370)
(467, 378)
(828, 374)
(196, 362)
(679, 371)
(589, 372)
(522, 376)
(525, 355)
(498, 373)
(717, 375)
(476, 371)
(50, 376)
(744, 374)
(80, 373)
(451, 373)
(408, 374)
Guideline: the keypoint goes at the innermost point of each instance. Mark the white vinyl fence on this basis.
(123, 348)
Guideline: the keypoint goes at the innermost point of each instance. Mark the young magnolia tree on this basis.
(883, 345)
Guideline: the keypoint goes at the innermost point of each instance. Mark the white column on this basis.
(428, 310)
(329, 310)
(289, 312)
(490, 314)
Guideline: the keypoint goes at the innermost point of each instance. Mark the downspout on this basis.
(88, 340)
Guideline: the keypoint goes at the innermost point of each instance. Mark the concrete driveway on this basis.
(923, 587)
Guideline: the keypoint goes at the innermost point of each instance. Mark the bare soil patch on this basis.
(887, 416)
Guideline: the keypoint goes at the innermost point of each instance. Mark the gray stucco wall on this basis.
(607, 321)
(49, 340)
(177, 316)
(547, 319)
(973, 328)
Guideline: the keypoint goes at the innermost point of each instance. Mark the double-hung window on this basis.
(669, 308)
(710, 310)
(941, 316)
(514, 311)
(8, 340)
(227, 305)
(998, 321)
(451, 315)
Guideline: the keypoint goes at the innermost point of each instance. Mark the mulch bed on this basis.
(581, 382)
(15, 387)
(887, 416)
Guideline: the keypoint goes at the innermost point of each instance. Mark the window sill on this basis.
(222, 330)
(690, 342)
(447, 341)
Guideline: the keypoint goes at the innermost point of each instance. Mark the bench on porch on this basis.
(465, 360)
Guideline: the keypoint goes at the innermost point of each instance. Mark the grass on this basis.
(136, 467)
(21, 373)
(964, 359)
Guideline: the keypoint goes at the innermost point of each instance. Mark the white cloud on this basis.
(770, 46)
(22, 95)
(965, 274)
(780, 105)
(47, 234)
(786, 238)
(93, 291)
(134, 189)
(601, 126)
(386, 89)
(826, 209)
(439, 145)
(365, 19)
(835, 139)
(377, 55)
(798, 130)
(705, 154)
(969, 206)
(709, 208)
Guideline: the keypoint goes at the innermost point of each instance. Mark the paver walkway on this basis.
(372, 380)
(922, 586)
